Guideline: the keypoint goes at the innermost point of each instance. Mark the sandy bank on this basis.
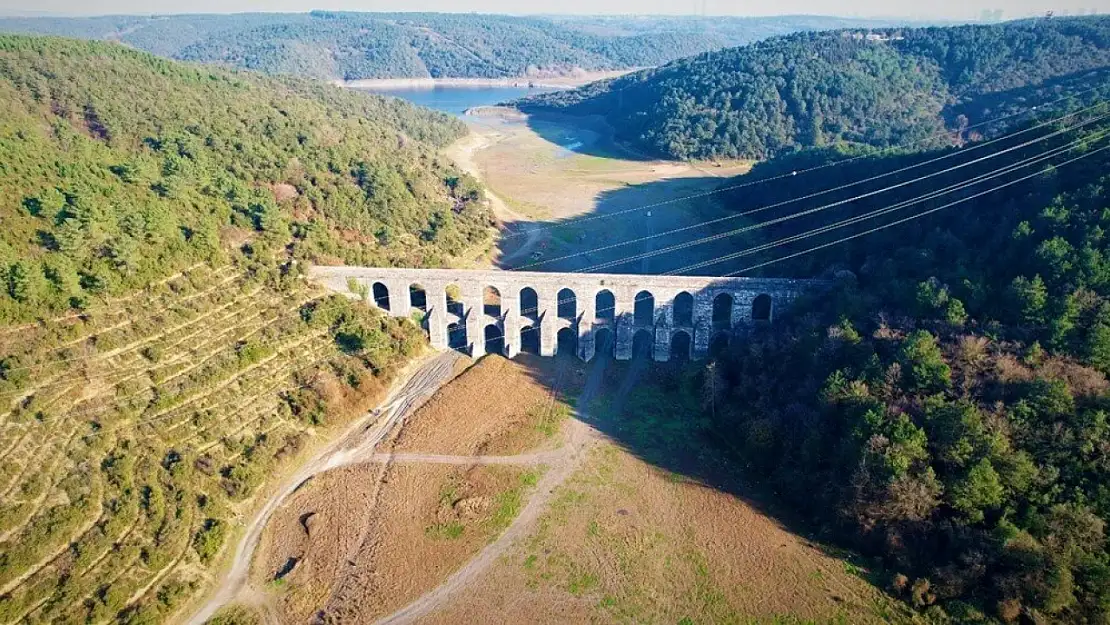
(535, 82)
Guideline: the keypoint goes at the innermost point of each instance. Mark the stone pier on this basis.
(669, 316)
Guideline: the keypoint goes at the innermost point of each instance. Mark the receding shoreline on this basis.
(535, 82)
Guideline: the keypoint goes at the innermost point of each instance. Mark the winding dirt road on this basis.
(561, 464)
(356, 445)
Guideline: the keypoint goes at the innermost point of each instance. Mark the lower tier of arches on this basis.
(621, 343)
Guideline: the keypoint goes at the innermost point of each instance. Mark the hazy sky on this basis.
(956, 9)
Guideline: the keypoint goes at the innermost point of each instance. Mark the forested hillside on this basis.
(161, 356)
(416, 45)
(879, 88)
(944, 407)
(121, 168)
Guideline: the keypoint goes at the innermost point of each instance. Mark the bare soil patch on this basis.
(625, 541)
(359, 542)
(544, 171)
(353, 553)
(555, 167)
(497, 407)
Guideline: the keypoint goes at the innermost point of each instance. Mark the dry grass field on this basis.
(545, 171)
(419, 534)
(627, 542)
(360, 542)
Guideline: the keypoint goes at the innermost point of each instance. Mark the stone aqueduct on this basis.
(543, 312)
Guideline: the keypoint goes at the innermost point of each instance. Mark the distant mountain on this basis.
(881, 87)
(352, 46)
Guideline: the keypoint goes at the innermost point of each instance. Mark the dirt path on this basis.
(462, 152)
(358, 442)
(580, 438)
(523, 459)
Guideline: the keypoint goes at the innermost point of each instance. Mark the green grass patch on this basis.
(445, 531)
(505, 510)
(549, 421)
(508, 504)
(581, 582)
(530, 478)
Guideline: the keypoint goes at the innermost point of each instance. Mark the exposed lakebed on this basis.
(456, 100)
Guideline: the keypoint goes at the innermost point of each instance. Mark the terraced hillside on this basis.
(134, 436)
(162, 359)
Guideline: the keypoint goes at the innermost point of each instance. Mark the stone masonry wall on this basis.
(627, 290)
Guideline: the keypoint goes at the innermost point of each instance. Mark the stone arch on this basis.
(567, 305)
(762, 308)
(380, 293)
(605, 305)
(644, 309)
(491, 301)
(566, 342)
(681, 345)
(530, 339)
(643, 344)
(529, 302)
(495, 339)
(603, 342)
(456, 337)
(722, 311)
(455, 305)
(684, 310)
(719, 344)
(418, 297)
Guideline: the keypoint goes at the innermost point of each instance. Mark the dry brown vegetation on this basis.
(497, 407)
(133, 438)
(360, 542)
(537, 180)
(625, 541)
(622, 540)
(367, 540)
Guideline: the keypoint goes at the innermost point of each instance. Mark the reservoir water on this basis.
(456, 100)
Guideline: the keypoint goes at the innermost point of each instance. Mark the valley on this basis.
(196, 428)
(546, 489)
(544, 501)
(562, 189)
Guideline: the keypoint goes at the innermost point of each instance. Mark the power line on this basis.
(816, 194)
(719, 236)
(588, 218)
(910, 218)
(883, 211)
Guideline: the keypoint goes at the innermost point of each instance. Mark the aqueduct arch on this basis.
(605, 305)
(507, 312)
(380, 293)
(762, 307)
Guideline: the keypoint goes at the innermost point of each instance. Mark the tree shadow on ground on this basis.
(632, 228)
(590, 136)
(660, 413)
